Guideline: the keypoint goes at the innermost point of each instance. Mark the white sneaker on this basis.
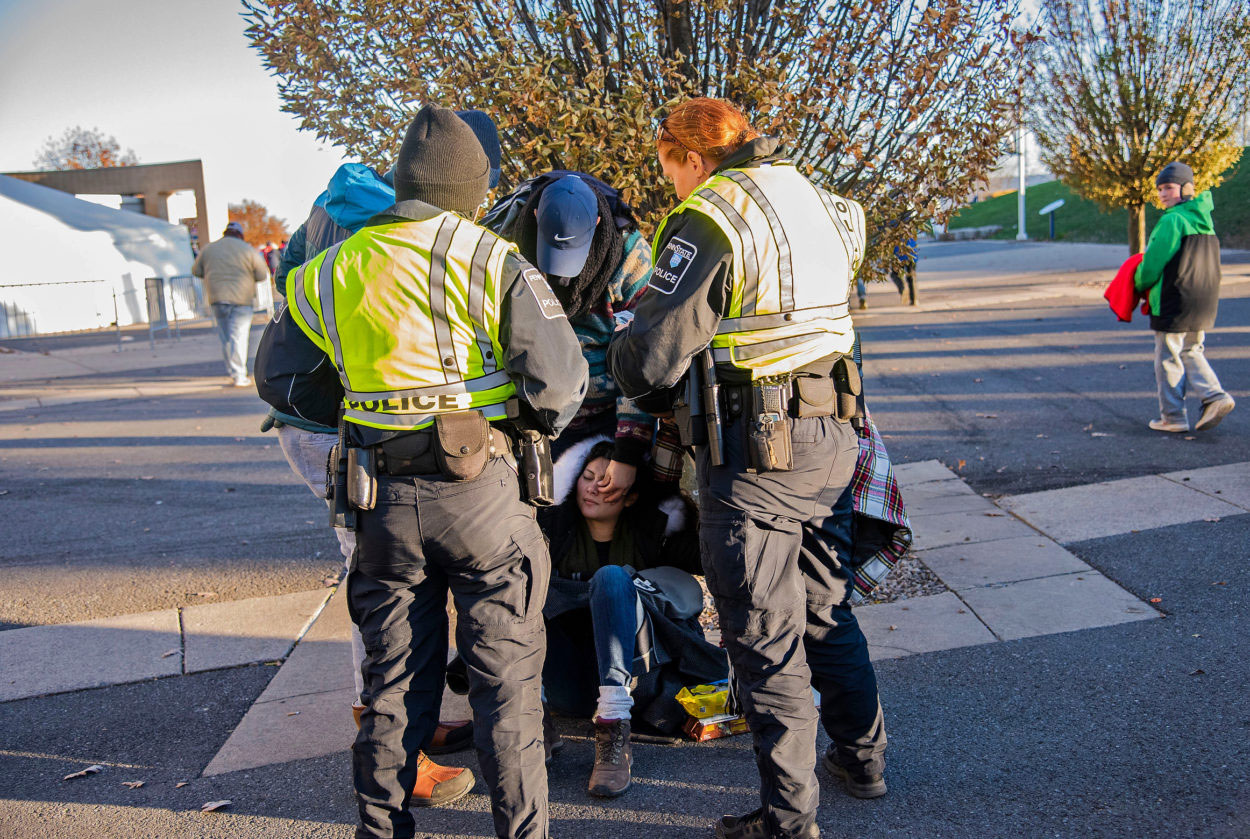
(1213, 412)
(244, 382)
(1169, 425)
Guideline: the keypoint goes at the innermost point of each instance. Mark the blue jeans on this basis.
(234, 323)
(615, 613)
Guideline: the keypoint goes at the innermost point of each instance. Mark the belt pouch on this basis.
(461, 444)
(362, 478)
(768, 436)
(816, 397)
(849, 386)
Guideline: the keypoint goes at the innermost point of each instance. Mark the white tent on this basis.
(71, 264)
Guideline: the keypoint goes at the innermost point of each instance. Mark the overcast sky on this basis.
(171, 79)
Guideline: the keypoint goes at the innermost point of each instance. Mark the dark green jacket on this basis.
(1180, 270)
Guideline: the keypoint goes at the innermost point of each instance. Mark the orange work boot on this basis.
(438, 785)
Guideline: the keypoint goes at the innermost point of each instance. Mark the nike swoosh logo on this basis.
(559, 238)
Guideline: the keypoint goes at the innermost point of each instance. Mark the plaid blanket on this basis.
(882, 532)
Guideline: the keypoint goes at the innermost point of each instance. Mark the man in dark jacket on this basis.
(1180, 277)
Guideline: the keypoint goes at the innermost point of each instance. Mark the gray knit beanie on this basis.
(1175, 173)
(442, 163)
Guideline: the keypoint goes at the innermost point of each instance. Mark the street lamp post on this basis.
(1020, 230)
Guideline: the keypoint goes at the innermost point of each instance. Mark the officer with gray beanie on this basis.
(442, 163)
(414, 390)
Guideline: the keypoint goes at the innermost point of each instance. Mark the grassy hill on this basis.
(1079, 220)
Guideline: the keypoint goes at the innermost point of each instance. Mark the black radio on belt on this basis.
(768, 434)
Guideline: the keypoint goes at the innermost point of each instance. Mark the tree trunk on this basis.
(1136, 228)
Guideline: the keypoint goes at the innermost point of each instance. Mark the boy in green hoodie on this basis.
(1180, 277)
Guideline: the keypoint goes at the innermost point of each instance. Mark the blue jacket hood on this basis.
(354, 195)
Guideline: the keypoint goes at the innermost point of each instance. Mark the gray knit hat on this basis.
(442, 163)
(1175, 173)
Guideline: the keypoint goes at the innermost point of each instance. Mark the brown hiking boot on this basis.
(552, 741)
(437, 785)
(613, 757)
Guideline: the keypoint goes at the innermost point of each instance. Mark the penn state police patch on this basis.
(674, 262)
(548, 303)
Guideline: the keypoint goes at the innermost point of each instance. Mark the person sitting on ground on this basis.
(1180, 277)
(604, 626)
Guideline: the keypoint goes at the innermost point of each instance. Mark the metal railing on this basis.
(30, 309)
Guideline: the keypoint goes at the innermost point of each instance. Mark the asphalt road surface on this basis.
(1136, 730)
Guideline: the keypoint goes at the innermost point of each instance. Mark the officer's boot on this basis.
(451, 737)
(436, 785)
(552, 741)
(613, 757)
(754, 826)
(857, 783)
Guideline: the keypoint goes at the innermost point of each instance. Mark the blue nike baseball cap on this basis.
(567, 215)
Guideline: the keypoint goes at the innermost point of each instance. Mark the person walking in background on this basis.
(904, 271)
(1180, 277)
(231, 268)
(776, 322)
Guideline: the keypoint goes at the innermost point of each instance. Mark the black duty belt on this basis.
(810, 396)
(413, 453)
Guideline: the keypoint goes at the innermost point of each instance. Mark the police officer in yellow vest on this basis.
(750, 288)
(436, 327)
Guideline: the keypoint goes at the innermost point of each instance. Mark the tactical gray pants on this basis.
(773, 546)
(478, 539)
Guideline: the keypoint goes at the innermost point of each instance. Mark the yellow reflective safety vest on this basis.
(796, 248)
(409, 313)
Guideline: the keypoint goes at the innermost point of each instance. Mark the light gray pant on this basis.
(1181, 365)
(234, 325)
(307, 452)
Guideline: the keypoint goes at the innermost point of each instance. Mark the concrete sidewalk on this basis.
(99, 371)
(1007, 580)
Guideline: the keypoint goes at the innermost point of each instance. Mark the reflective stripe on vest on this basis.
(795, 250)
(409, 312)
(295, 291)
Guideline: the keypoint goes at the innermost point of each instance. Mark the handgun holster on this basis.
(362, 478)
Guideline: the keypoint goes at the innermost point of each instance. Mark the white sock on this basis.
(614, 703)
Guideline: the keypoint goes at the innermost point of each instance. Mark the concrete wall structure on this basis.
(155, 182)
